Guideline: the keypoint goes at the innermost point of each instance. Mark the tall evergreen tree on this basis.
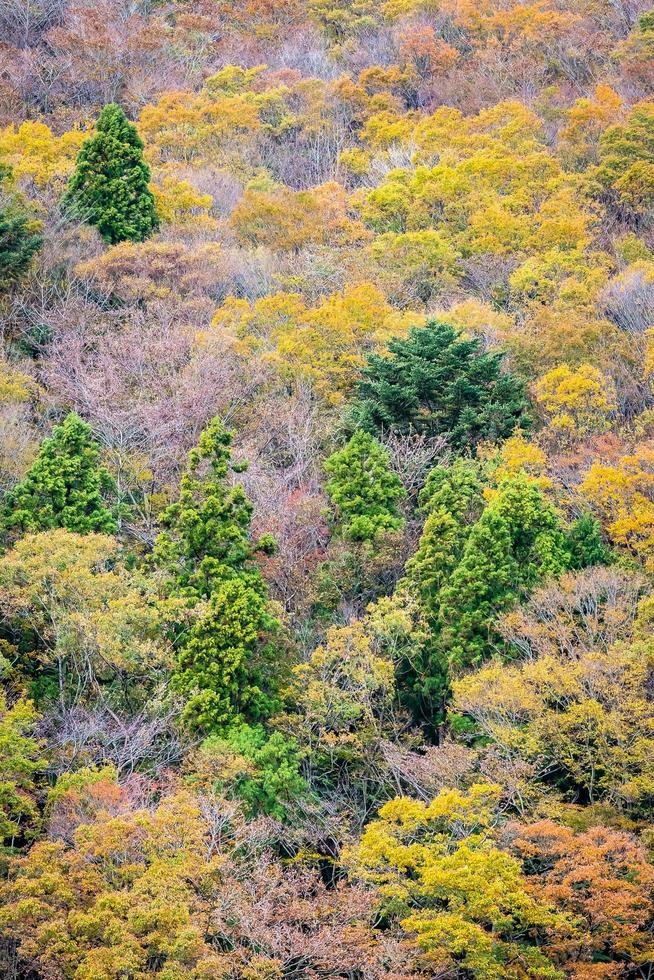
(452, 500)
(109, 186)
(516, 543)
(437, 383)
(224, 663)
(207, 540)
(586, 543)
(364, 489)
(64, 487)
(18, 246)
(227, 668)
(470, 566)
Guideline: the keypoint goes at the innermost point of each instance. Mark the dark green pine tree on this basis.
(586, 543)
(364, 490)
(64, 487)
(18, 241)
(437, 383)
(109, 187)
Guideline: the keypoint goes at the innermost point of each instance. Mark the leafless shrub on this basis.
(23, 22)
(398, 156)
(424, 773)
(413, 456)
(148, 740)
(629, 301)
(580, 613)
(483, 275)
(143, 388)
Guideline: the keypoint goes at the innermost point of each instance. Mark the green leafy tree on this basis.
(18, 245)
(586, 543)
(437, 383)
(452, 500)
(364, 489)
(109, 186)
(65, 487)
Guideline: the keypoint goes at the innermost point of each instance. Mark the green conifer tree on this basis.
(226, 668)
(467, 571)
(452, 499)
(207, 536)
(436, 383)
(65, 486)
(109, 187)
(364, 490)
(225, 665)
(18, 245)
(516, 543)
(586, 543)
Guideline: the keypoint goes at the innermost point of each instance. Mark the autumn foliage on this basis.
(327, 490)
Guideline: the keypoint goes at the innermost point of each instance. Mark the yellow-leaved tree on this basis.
(325, 345)
(576, 402)
(464, 902)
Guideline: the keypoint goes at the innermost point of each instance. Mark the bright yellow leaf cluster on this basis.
(325, 344)
(576, 402)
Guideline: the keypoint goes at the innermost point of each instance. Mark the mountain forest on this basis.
(327, 490)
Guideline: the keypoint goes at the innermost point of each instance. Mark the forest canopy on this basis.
(327, 490)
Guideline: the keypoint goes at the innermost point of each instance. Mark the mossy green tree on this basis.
(261, 769)
(516, 543)
(452, 502)
(21, 758)
(66, 485)
(19, 238)
(436, 382)
(109, 187)
(363, 489)
(227, 666)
